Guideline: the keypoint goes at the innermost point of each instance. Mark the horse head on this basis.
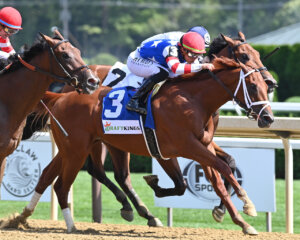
(69, 64)
(240, 50)
(251, 91)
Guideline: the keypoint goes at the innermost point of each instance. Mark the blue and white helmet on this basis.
(203, 32)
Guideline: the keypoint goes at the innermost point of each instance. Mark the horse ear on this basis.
(242, 36)
(227, 39)
(57, 33)
(44, 36)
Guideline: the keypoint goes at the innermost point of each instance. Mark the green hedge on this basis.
(285, 63)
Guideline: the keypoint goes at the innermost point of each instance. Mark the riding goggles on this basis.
(193, 55)
(9, 30)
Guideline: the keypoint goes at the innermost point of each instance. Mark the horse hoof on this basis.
(218, 214)
(72, 229)
(155, 222)
(127, 215)
(250, 231)
(250, 210)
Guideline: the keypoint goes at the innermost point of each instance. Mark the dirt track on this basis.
(50, 230)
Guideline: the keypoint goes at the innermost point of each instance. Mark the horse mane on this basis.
(218, 44)
(37, 48)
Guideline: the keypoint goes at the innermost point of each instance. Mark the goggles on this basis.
(193, 55)
(9, 30)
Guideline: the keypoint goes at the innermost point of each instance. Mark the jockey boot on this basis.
(137, 102)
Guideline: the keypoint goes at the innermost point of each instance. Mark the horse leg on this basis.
(171, 167)
(72, 164)
(221, 191)
(48, 176)
(96, 169)
(203, 156)
(120, 161)
(2, 169)
(219, 211)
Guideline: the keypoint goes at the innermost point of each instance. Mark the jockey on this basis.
(176, 35)
(156, 60)
(10, 23)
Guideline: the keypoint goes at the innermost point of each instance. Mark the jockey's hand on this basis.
(208, 66)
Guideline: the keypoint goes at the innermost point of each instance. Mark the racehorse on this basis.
(24, 81)
(193, 97)
(238, 49)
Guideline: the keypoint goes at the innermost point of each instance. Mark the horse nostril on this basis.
(92, 81)
(268, 118)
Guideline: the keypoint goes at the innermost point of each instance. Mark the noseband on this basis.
(248, 103)
(69, 79)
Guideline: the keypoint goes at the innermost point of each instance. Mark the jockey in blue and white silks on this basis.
(156, 60)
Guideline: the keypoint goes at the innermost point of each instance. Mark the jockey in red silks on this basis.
(10, 23)
(157, 59)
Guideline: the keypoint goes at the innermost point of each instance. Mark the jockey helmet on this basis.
(192, 42)
(11, 18)
(203, 32)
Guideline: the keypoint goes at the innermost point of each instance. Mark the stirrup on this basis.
(138, 109)
(133, 105)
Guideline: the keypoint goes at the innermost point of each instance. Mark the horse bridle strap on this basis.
(37, 69)
(248, 103)
(69, 79)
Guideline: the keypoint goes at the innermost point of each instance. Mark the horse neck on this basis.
(27, 88)
(209, 94)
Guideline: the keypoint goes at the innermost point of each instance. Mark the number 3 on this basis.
(109, 113)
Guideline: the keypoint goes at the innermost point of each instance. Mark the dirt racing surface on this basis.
(50, 230)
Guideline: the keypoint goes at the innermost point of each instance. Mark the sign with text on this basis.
(255, 173)
(23, 170)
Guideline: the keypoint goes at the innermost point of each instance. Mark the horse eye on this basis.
(65, 56)
(253, 88)
(245, 57)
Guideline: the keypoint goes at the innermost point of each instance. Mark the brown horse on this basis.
(238, 49)
(194, 101)
(25, 81)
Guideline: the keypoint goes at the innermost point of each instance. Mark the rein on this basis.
(73, 81)
(248, 103)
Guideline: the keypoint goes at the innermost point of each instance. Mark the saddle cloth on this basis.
(116, 119)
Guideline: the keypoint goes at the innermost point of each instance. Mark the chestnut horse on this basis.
(239, 50)
(24, 82)
(193, 97)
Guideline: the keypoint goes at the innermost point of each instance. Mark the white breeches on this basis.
(142, 67)
(4, 55)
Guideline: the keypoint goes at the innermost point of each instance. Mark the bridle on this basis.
(248, 105)
(69, 79)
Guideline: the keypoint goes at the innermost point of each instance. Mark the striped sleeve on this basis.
(171, 56)
(6, 46)
(182, 68)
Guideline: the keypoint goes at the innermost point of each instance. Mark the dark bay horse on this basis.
(234, 48)
(27, 78)
(194, 100)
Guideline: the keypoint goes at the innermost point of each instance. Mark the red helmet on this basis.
(193, 42)
(10, 17)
